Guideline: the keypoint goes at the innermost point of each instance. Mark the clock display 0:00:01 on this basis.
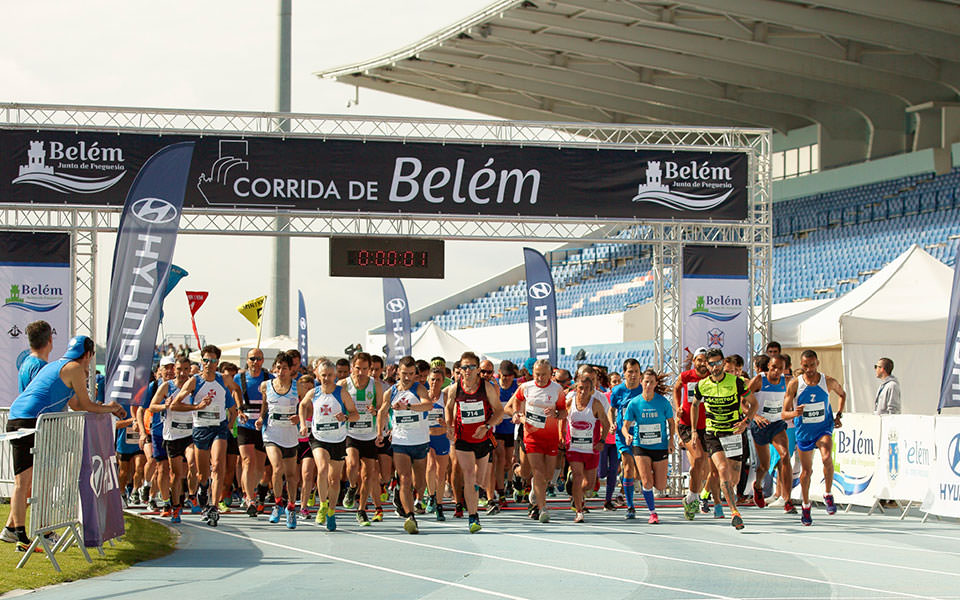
(401, 259)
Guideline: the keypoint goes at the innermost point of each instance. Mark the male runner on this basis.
(807, 402)
(723, 393)
(362, 464)
(151, 424)
(213, 401)
(503, 433)
(249, 438)
(405, 407)
(699, 464)
(620, 398)
(438, 461)
(177, 433)
(540, 406)
(768, 427)
(278, 420)
(472, 410)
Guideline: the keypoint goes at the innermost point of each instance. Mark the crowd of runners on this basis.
(291, 442)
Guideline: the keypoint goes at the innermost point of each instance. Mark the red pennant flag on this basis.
(196, 300)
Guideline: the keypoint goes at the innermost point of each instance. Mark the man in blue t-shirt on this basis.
(253, 454)
(40, 337)
(620, 397)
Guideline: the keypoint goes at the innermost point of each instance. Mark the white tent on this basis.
(431, 340)
(236, 352)
(899, 313)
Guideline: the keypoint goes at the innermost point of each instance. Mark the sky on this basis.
(219, 54)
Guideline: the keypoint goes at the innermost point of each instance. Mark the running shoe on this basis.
(362, 518)
(331, 522)
(212, 516)
(805, 517)
(202, 497)
(384, 494)
(718, 511)
(551, 491)
(418, 508)
(474, 524)
(831, 507)
(312, 499)
(304, 513)
(578, 518)
(789, 508)
(377, 515)
(518, 494)
(631, 513)
(774, 502)
(544, 515)
(493, 508)
(534, 513)
(260, 508)
(167, 510)
(737, 522)
(275, 515)
(620, 501)
(222, 507)
(689, 510)
(8, 536)
(153, 505)
(252, 510)
(483, 502)
(24, 546)
(350, 499)
(175, 516)
(322, 514)
(134, 498)
(431, 504)
(705, 506)
(654, 519)
(608, 506)
(291, 519)
(410, 525)
(758, 498)
(439, 511)
(458, 511)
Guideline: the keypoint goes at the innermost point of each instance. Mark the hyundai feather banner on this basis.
(58, 167)
(302, 328)
(35, 284)
(950, 380)
(396, 317)
(541, 306)
(714, 296)
(141, 266)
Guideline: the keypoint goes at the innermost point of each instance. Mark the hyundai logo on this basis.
(154, 210)
(953, 455)
(540, 290)
(396, 305)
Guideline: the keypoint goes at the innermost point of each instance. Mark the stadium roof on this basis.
(857, 68)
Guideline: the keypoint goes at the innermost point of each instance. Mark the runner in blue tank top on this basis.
(807, 402)
(768, 427)
(40, 337)
(59, 384)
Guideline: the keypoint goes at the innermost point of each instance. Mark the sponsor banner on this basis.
(396, 317)
(906, 457)
(302, 328)
(950, 380)
(856, 458)
(142, 262)
(714, 296)
(57, 167)
(34, 285)
(943, 487)
(101, 510)
(541, 306)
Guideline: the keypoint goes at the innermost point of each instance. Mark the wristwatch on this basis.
(839, 414)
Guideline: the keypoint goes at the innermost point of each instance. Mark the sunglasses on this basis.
(255, 358)
(714, 363)
(486, 371)
(209, 360)
(469, 367)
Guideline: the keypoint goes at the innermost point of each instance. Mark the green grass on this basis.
(143, 540)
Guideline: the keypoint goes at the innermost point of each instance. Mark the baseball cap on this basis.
(438, 363)
(700, 350)
(166, 361)
(75, 347)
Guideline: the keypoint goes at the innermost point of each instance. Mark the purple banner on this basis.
(100, 507)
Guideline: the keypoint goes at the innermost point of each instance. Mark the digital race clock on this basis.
(386, 257)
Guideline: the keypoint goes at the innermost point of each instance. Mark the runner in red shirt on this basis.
(699, 465)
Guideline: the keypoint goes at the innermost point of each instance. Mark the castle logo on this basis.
(693, 175)
(82, 156)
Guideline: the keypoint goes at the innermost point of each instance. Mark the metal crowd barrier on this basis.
(55, 498)
(6, 459)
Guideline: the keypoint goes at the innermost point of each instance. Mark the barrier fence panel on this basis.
(6, 459)
(55, 499)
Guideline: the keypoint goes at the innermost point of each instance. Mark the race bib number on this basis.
(649, 434)
(253, 414)
(815, 412)
(732, 445)
(280, 416)
(535, 417)
(405, 419)
(133, 436)
(772, 408)
(435, 417)
(362, 425)
(580, 442)
(207, 418)
(691, 387)
(471, 413)
(326, 424)
(181, 426)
